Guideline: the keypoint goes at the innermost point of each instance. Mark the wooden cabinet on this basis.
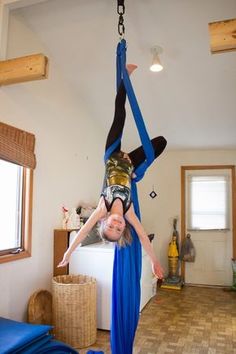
(61, 243)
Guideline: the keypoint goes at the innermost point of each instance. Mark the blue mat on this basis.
(15, 335)
(24, 338)
(34, 345)
(55, 347)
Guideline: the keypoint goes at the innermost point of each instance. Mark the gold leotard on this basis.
(117, 181)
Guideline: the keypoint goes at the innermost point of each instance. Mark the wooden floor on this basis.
(191, 321)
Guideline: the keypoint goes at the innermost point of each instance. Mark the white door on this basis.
(212, 264)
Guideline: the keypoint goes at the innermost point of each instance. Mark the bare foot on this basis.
(130, 68)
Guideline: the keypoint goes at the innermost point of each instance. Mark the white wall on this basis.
(158, 213)
(69, 165)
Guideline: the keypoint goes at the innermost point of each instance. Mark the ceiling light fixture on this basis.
(156, 64)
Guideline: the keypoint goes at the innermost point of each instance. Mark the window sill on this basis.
(219, 230)
(14, 257)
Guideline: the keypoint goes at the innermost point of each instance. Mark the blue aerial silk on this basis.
(127, 260)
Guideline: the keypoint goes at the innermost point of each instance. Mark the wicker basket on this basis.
(74, 309)
(40, 307)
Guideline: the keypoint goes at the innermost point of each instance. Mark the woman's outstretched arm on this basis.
(98, 214)
(134, 221)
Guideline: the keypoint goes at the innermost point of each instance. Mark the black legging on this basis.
(137, 156)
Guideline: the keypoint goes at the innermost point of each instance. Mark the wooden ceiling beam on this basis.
(28, 68)
(222, 36)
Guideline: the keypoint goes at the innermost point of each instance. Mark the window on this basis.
(10, 205)
(208, 202)
(17, 161)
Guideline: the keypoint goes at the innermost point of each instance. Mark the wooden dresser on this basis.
(61, 243)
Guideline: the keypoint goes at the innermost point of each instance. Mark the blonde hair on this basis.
(124, 240)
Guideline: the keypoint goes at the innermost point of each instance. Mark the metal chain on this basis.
(121, 12)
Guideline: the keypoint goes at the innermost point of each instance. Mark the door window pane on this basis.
(208, 202)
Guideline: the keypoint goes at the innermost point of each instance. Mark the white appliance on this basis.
(96, 260)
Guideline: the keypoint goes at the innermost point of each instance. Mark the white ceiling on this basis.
(192, 102)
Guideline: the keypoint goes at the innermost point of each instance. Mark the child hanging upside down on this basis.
(115, 210)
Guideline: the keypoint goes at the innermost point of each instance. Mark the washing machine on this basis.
(96, 260)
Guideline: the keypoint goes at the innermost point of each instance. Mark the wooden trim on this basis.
(27, 203)
(14, 257)
(5, 7)
(4, 20)
(222, 36)
(208, 167)
(28, 208)
(183, 208)
(61, 244)
(17, 4)
(183, 203)
(28, 68)
(234, 210)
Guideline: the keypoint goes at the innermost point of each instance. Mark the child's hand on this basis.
(64, 261)
(158, 270)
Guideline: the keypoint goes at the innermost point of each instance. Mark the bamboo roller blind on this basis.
(17, 146)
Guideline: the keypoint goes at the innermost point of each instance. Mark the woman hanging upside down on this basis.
(115, 210)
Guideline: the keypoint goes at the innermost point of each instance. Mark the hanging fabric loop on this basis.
(144, 137)
(127, 260)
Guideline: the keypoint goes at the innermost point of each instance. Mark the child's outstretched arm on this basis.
(134, 221)
(98, 214)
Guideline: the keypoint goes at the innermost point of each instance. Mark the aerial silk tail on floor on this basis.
(127, 260)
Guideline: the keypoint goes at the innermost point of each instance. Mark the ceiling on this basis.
(192, 102)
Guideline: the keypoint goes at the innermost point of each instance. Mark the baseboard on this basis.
(208, 286)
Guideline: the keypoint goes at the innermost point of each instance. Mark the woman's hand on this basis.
(64, 261)
(157, 270)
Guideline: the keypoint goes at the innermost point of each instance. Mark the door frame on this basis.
(183, 203)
